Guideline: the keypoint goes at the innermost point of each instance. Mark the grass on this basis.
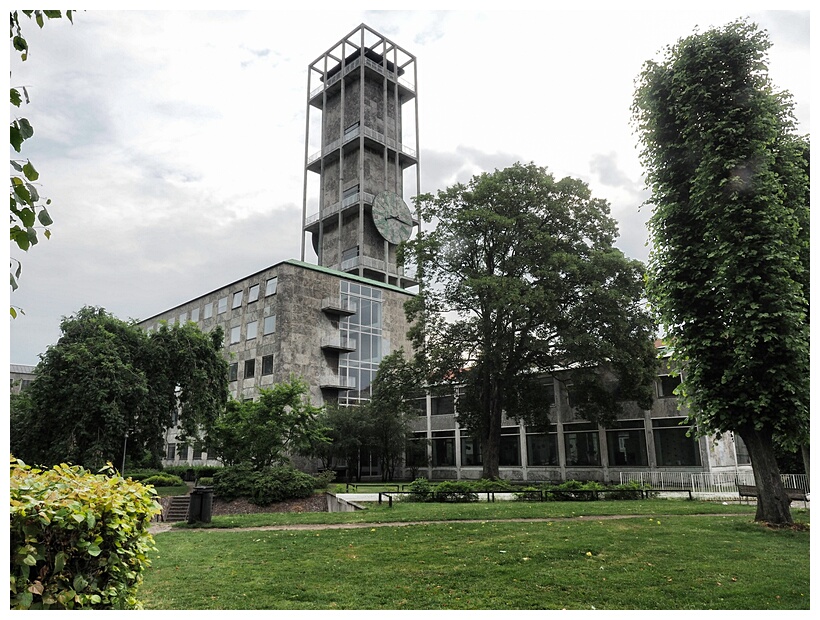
(674, 559)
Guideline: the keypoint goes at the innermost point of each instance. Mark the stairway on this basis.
(178, 510)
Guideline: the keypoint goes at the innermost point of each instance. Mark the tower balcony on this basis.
(376, 269)
(333, 80)
(312, 221)
(339, 306)
(337, 382)
(339, 344)
(372, 138)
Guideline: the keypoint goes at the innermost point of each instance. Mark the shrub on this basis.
(491, 485)
(262, 487)
(164, 480)
(455, 492)
(420, 490)
(206, 481)
(323, 479)
(78, 540)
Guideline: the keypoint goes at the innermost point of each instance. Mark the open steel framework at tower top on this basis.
(362, 103)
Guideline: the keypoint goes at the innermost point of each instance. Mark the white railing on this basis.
(339, 381)
(347, 304)
(713, 483)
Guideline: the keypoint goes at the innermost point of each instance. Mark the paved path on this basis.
(158, 528)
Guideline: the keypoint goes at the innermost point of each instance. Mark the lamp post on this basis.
(124, 446)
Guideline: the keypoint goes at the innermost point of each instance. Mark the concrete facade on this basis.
(21, 377)
(294, 318)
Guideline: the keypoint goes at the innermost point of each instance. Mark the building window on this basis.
(418, 403)
(223, 305)
(170, 451)
(237, 300)
(542, 449)
(470, 451)
(250, 330)
(270, 286)
(183, 317)
(581, 444)
(182, 451)
(270, 324)
(442, 405)
(267, 365)
(444, 448)
(253, 293)
(350, 191)
(195, 315)
(250, 369)
(232, 370)
(667, 385)
(509, 450)
(672, 446)
(208, 311)
(198, 450)
(235, 334)
(626, 443)
(416, 453)
(350, 253)
(741, 451)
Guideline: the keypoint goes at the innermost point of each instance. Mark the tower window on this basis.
(270, 287)
(234, 334)
(250, 368)
(250, 330)
(237, 299)
(267, 365)
(270, 324)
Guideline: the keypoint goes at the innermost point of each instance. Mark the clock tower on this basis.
(362, 115)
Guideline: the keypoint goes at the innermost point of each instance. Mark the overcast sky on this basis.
(172, 143)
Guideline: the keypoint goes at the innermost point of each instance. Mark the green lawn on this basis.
(680, 561)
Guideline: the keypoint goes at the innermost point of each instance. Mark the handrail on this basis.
(355, 64)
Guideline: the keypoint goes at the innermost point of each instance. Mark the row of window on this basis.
(236, 301)
(252, 328)
(625, 447)
(250, 368)
(445, 405)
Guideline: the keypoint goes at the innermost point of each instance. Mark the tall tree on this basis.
(267, 431)
(729, 267)
(520, 279)
(27, 208)
(106, 380)
(388, 412)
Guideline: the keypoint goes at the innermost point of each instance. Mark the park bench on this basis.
(795, 495)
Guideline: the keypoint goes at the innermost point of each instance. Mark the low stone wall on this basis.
(337, 504)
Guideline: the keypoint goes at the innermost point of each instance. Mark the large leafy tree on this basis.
(27, 208)
(107, 386)
(520, 279)
(729, 268)
(389, 414)
(268, 431)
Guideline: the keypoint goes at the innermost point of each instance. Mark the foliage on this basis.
(78, 540)
(520, 280)
(348, 428)
(163, 480)
(729, 268)
(191, 473)
(264, 432)
(389, 415)
(324, 479)
(27, 208)
(106, 386)
(262, 486)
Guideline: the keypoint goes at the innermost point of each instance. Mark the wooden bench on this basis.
(749, 490)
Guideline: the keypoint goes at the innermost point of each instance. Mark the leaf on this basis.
(20, 44)
(12, 311)
(30, 172)
(15, 136)
(16, 165)
(59, 561)
(26, 130)
(44, 218)
(94, 550)
(32, 191)
(27, 216)
(14, 97)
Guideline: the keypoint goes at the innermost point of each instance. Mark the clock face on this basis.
(392, 217)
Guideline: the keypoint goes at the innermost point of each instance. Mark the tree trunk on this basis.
(491, 439)
(772, 501)
(804, 450)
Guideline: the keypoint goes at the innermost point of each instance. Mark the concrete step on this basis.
(178, 509)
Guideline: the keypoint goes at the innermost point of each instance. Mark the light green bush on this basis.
(78, 540)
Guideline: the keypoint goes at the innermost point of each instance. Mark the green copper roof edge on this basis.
(347, 276)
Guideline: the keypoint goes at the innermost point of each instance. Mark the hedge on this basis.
(78, 540)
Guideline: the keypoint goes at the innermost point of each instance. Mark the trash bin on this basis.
(201, 504)
(207, 494)
(195, 506)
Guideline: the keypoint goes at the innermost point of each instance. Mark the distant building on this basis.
(21, 377)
